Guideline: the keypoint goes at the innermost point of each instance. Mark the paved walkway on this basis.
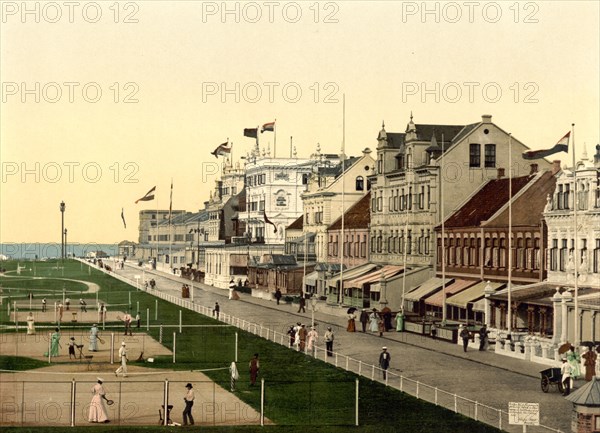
(485, 377)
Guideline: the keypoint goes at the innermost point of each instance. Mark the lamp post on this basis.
(62, 229)
(383, 287)
(66, 249)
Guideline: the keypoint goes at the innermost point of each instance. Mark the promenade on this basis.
(485, 377)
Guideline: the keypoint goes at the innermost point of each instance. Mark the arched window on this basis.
(360, 183)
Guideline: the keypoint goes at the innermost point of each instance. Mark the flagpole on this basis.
(275, 139)
(510, 255)
(343, 197)
(157, 232)
(575, 245)
(443, 236)
(171, 227)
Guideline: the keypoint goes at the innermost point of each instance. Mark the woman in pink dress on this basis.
(97, 408)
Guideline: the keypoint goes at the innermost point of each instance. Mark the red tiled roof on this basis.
(486, 202)
(357, 217)
(297, 224)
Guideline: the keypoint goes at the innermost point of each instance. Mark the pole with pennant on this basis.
(443, 235)
(575, 246)
(510, 251)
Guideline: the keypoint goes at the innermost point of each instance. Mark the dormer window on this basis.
(360, 183)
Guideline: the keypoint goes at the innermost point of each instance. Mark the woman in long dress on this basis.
(574, 360)
(30, 324)
(97, 409)
(373, 321)
(351, 323)
(312, 338)
(55, 342)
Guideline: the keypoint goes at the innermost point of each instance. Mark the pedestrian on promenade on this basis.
(351, 322)
(292, 334)
(138, 319)
(278, 295)
(329, 341)
(433, 331)
(44, 305)
(30, 324)
(302, 305)
(387, 319)
(302, 333)
(574, 360)
(384, 361)
(373, 319)
(97, 411)
(254, 367)
(567, 378)
(68, 303)
(465, 335)
(216, 310)
(123, 355)
(483, 338)
(60, 312)
(83, 306)
(313, 336)
(598, 361)
(364, 319)
(400, 321)
(189, 402)
(589, 362)
(55, 342)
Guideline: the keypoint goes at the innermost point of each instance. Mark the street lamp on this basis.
(62, 229)
(383, 289)
(66, 249)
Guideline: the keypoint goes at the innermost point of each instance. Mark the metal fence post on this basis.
(372, 372)
(160, 333)
(174, 341)
(455, 404)
(359, 368)
(236, 347)
(73, 403)
(166, 402)
(147, 319)
(475, 410)
(112, 347)
(262, 402)
(436, 396)
(417, 389)
(356, 404)
(180, 319)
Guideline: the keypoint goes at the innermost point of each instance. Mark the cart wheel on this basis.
(545, 384)
(561, 387)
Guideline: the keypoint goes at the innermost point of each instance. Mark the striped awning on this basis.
(351, 274)
(428, 287)
(437, 299)
(374, 276)
(471, 294)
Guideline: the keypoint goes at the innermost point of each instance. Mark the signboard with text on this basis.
(523, 413)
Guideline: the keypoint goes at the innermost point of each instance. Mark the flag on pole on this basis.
(561, 146)
(123, 217)
(149, 195)
(268, 127)
(268, 221)
(222, 149)
(171, 203)
(251, 132)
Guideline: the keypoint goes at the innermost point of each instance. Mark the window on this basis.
(305, 178)
(475, 155)
(490, 155)
(596, 266)
(409, 242)
(360, 183)
(280, 201)
(363, 246)
(563, 256)
(566, 196)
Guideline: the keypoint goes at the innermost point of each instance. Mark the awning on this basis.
(437, 299)
(471, 294)
(311, 279)
(351, 274)
(306, 236)
(374, 278)
(425, 289)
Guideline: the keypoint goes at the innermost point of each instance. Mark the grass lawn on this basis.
(300, 391)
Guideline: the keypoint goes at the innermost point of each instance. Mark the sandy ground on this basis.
(43, 396)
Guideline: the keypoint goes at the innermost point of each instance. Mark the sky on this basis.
(103, 100)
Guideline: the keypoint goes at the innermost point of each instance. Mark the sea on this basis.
(43, 251)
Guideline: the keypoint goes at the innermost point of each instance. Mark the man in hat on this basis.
(566, 378)
(189, 402)
(329, 341)
(364, 319)
(123, 356)
(72, 347)
(384, 361)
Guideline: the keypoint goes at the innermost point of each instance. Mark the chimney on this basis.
(534, 168)
(486, 118)
(555, 166)
(500, 173)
